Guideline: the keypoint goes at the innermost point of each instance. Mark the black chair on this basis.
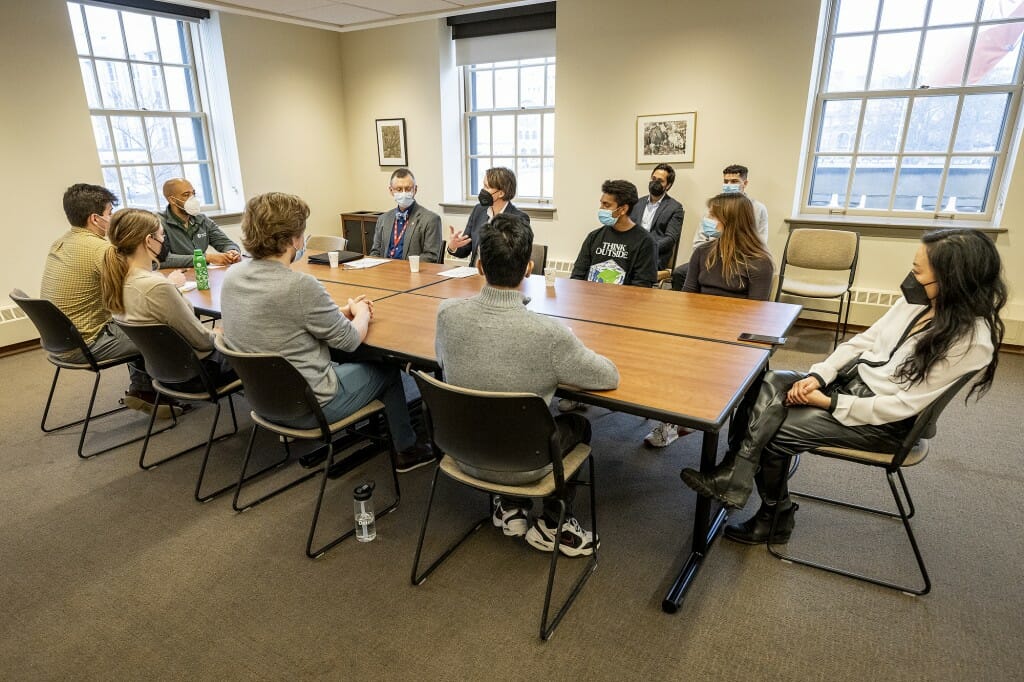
(58, 336)
(278, 392)
(504, 432)
(911, 451)
(170, 360)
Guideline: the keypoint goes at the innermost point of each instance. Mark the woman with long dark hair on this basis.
(867, 393)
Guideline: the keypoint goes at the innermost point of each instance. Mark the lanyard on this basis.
(396, 238)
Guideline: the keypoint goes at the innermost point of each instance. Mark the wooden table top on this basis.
(697, 388)
(393, 275)
(719, 318)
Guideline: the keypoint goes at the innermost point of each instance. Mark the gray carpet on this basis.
(110, 572)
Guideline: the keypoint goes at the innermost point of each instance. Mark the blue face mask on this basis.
(731, 188)
(301, 252)
(606, 217)
(709, 226)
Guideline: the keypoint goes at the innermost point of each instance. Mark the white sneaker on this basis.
(574, 540)
(566, 405)
(512, 522)
(664, 434)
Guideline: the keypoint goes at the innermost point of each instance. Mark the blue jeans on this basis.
(358, 384)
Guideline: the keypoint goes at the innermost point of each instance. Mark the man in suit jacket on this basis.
(409, 229)
(660, 214)
(496, 197)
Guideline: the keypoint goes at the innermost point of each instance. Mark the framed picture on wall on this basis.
(665, 138)
(391, 150)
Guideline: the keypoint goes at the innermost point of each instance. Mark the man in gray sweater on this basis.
(491, 342)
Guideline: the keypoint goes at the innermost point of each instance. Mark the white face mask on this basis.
(191, 206)
(404, 199)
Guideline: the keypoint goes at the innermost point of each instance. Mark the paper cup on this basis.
(332, 256)
(414, 263)
(549, 278)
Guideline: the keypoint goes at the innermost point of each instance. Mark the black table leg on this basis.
(705, 529)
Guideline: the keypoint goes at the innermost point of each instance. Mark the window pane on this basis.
(514, 62)
(856, 15)
(528, 135)
(115, 85)
(883, 123)
(162, 144)
(139, 34)
(549, 135)
(111, 180)
(179, 89)
(532, 87)
(504, 134)
(981, 123)
(78, 28)
(501, 162)
(101, 132)
(969, 180)
(998, 9)
(895, 56)
(201, 179)
(551, 86)
(849, 67)
(839, 125)
(548, 186)
(480, 135)
(828, 180)
(919, 183)
(528, 178)
(172, 40)
(105, 32)
(902, 14)
(931, 122)
(168, 172)
(506, 89)
(477, 167)
(952, 12)
(944, 57)
(190, 139)
(527, 62)
(483, 91)
(138, 187)
(995, 54)
(89, 79)
(872, 182)
(149, 87)
(129, 139)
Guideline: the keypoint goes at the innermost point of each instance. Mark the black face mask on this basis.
(914, 291)
(485, 198)
(165, 250)
(656, 188)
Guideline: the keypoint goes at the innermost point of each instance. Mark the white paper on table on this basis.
(464, 271)
(187, 286)
(213, 267)
(366, 263)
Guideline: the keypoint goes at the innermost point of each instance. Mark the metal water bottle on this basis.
(362, 505)
(202, 275)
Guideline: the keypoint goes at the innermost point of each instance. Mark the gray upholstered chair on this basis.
(821, 264)
(326, 242)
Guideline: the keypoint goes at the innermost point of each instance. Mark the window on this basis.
(509, 120)
(142, 82)
(917, 104)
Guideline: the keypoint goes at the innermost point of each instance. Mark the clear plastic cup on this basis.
(414, 263)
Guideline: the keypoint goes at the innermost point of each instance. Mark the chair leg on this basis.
(839, 317)
(243, 479)
(49, 401)
(548, 627)
(846, 320)
(89, 416)
(418, 578)
(904, 518)
(320, 551)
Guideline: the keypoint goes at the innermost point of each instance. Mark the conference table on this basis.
(678, 356)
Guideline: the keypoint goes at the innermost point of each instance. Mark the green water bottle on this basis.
(202, 276)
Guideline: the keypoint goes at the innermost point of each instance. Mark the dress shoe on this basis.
(414, 458)
(755, 530)
(730, 483)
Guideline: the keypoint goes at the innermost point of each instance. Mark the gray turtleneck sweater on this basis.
(491, 342)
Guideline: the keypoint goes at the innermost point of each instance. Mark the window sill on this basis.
(543, 211)
(225, 216)
(870, 226)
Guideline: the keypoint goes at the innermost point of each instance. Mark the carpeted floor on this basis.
(110, 572)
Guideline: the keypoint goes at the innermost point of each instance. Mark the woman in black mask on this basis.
(867, 393)
(495, 197)
(132, 292)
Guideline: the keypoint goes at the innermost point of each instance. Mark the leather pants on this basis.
(764, 427)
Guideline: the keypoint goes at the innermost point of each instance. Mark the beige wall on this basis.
(305, 101)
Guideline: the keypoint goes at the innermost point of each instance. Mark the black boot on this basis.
(755, 530)
(731, 483)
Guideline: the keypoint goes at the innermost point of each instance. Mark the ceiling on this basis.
(352, 14)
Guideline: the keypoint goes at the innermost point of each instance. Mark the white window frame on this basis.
(469, 113)
(1003, 157)
(219, 198)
